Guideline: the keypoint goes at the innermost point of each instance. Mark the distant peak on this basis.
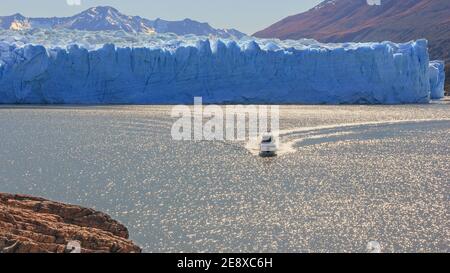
(101, 10)
(18, 16)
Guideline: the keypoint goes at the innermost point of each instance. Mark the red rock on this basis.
(36, 225)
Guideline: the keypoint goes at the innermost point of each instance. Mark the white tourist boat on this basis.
(269, 145)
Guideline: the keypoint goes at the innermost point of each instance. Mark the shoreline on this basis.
(69, 105)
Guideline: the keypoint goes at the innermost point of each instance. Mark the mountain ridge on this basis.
(357, 21)
(105, 18)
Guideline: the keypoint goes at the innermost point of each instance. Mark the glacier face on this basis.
(437, 79)
(170, 70)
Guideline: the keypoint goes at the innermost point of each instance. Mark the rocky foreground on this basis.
(35, 225)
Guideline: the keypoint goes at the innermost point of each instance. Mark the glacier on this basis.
(437, 79)
(86, 68)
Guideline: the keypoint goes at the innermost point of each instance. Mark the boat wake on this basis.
(290, 140)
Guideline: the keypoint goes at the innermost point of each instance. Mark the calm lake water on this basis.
(352, 174)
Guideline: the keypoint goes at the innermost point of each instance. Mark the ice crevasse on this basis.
(254, 71)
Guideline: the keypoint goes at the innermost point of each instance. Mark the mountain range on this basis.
(106, 18)
(357, 21)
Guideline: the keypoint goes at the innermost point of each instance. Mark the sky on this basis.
(248, 16)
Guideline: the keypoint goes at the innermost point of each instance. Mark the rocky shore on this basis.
(36, 225)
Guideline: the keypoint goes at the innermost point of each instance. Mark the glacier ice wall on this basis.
(437, 79)
(261, 71)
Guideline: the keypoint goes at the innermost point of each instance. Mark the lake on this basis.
(346, 175)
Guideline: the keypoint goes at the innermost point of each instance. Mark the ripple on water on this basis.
(347, 175)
